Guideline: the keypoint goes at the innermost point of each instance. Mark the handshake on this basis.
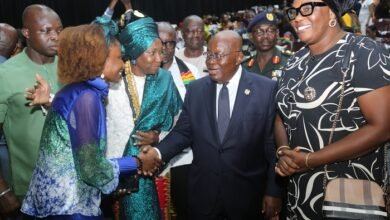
(149, 161)
(148, 164)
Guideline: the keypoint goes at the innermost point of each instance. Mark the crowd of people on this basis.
(247, 116)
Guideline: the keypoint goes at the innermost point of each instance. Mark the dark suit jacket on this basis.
(240, 168)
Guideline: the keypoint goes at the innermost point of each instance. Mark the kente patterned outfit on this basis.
(72, 170)
(150, 108)
(308, 118)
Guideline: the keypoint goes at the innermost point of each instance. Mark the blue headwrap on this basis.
(110, 29)
(137, 36)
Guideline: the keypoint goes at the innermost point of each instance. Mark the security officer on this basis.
(268, 60)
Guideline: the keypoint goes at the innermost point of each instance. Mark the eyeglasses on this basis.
(305, 9)
(169, 44)
(218, 56)
(261, 32)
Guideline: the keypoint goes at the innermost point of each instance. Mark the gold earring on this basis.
(332, 22)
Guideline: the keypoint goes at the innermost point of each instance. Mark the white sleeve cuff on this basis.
(158, 152)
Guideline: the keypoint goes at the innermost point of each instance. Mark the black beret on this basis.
(262, 18)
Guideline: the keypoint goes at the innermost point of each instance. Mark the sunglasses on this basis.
(305, 9)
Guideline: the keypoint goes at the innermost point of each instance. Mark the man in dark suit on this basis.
(227, 118)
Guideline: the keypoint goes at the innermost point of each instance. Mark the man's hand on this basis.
(271, 207)
(9, 204)
(150, 160)
(40, 93)
(291, 162)
(146, 138)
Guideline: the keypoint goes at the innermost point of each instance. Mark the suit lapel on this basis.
(210, 101)
(242, 97)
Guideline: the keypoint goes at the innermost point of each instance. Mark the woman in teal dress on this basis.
(72, 171)
(154, 102)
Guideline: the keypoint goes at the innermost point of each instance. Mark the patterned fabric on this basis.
(160, 103)
(187, 77)
(119, 119)
(185, 72)
(308, 123)
(72, 170)
(137, 36)
(164, 198)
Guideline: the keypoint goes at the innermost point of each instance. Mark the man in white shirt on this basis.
(178, 68)
(194, 52)
(182, 73)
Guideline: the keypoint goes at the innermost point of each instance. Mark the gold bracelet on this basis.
(280, 148)
(307, 161)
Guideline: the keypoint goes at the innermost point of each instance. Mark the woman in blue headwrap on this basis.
(141, 105)
(72, 170)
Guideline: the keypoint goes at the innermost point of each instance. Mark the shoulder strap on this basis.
(345, 65)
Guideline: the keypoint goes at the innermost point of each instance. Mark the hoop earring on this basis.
(332, 22)
(102, 76)
(133, 61)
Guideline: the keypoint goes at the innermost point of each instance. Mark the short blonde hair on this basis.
(82, 53)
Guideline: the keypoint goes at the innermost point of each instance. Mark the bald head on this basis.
(224, 56)
(231, 38)
(192, 19)
(165, 27)
(34, 13)
(8, 39)
(41, 27)
(193, 34)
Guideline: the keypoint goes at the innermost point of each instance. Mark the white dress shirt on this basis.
(232, 87)
(186, 156)
(199, 62)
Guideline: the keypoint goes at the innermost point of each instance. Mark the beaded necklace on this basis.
(131, 91)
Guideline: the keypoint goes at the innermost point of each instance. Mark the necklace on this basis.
(309, 93)
(132, 91)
